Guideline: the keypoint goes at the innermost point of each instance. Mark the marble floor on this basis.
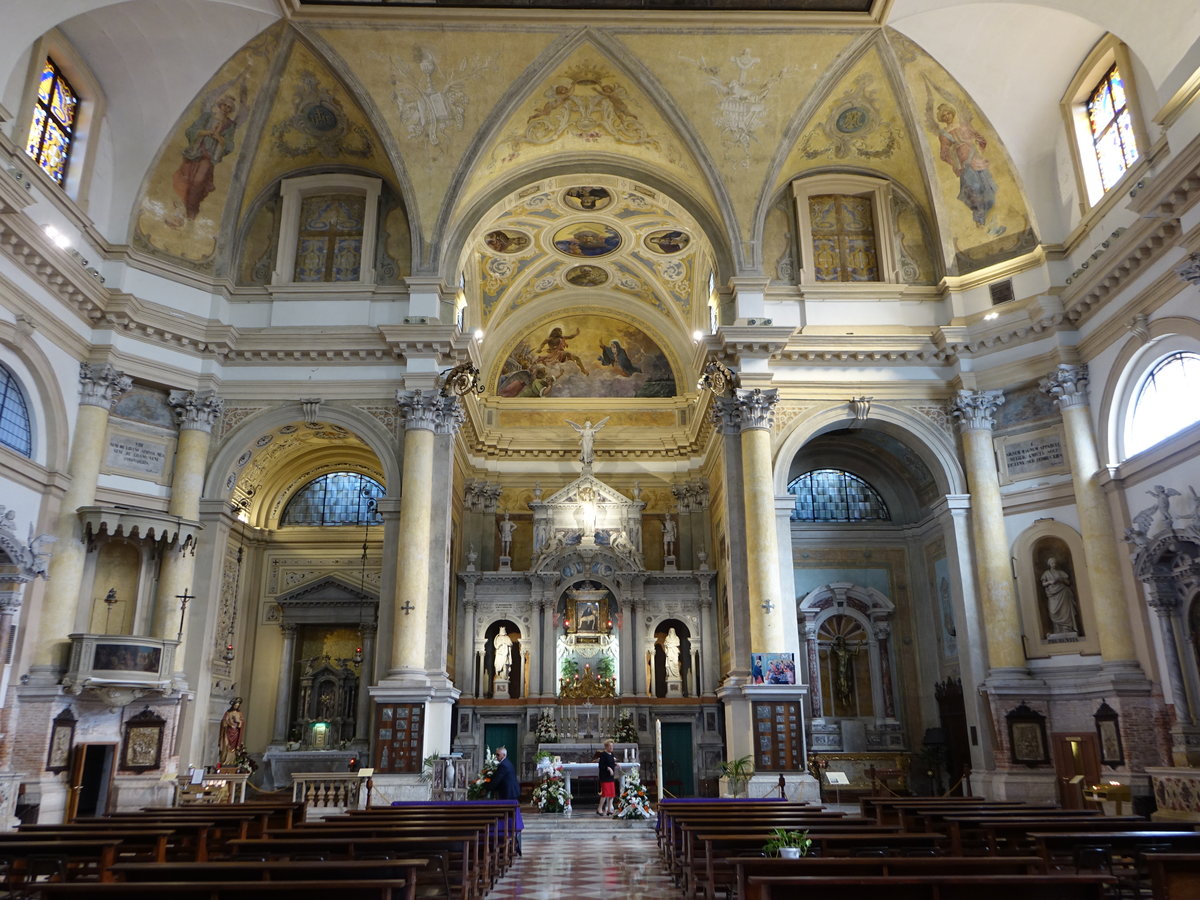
(585, 857)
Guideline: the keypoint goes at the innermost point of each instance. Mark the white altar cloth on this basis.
(592, 770)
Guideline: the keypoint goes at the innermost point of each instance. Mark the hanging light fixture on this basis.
(228, 655)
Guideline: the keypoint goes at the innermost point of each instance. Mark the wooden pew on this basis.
(81, 855)
(709, 865)
(359, 889)
(446, 849)
(160, 840)
(881, 808)
(674, 843)
(935, 887)
(745, 867)
(1002, 832)
(1174, 876)
(150, 843)
(280, 870)
(1056, 846)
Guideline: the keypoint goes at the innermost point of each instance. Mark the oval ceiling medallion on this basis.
(586, 239)
(507, 240)
(587, 198)
(667, 241)
(586, 276)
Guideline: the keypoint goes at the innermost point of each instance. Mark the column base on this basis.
(432, 689)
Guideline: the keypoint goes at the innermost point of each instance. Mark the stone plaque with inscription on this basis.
(1031, 454)
(138, 454)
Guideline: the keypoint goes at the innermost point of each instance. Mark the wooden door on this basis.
(90, 784)
(677, 760)
(1075, 755)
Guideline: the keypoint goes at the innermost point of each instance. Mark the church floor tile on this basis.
(585, 857)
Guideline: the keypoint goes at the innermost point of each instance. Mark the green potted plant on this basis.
(788, 844)
(737, 773)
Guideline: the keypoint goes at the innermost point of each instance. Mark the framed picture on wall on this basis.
(1027, 736)
(1112, 752)
(142, 748)
(62, 736)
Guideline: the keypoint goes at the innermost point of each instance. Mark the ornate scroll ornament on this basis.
(1068, 385)
(101, 385)
(430, 412)
(718, 378)
(459, 381)
(195, 412)
(756, 408)
(1190, 270)
(976, 410)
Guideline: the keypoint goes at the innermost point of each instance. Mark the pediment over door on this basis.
(587, 519)
(328, 600)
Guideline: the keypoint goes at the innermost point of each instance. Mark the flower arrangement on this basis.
(633, 803)
(626, 733)
(546, 731)
(481, 784)
(551, 793)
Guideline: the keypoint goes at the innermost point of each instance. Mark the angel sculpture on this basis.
(587, 438)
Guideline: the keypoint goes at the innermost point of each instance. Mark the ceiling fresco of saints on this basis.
(586, 356)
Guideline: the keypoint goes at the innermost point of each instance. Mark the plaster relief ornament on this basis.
(587, 102)
(854, 125)
(319, 125)
(431, 100)
(742, 102)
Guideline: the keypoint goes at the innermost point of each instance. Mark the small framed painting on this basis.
(62, 736)
(142, 748)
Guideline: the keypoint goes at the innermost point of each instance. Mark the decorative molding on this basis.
(1068, 385)
(195, 412)
(976, 410)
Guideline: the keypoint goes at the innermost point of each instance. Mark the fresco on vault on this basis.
(586, 356)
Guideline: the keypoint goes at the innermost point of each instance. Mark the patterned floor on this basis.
(585, 857)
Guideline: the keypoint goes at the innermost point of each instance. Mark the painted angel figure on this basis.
(587, 438)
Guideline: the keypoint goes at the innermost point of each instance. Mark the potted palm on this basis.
(737, 773)
(788, 844)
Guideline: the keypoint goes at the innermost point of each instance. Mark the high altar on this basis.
(588, 624)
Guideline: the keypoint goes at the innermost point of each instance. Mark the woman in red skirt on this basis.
(608, 780)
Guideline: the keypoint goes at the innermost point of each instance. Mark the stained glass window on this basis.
(331, 237)
(339, 498)
(1167, 402)
(1112, 128)
(831, 495)
(53, 127)
(843, 236)
(15, 432)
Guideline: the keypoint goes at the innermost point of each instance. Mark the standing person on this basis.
(608, 780)
(506, 786)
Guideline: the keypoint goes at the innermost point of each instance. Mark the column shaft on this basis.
(762, 545)
(994, 573)
(99, 387)
(283, 699)
(412, 594)
(366, 674)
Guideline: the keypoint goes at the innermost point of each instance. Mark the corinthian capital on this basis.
(195, 412)
(430, 411)
(756, 408)
(975, 410)
(1068, 385)
(725, 414)
(101, 385)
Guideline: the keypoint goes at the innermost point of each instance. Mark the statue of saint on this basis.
(1060, 599)
(587, 438)
(843, 653)
(503, 661)
(671, 650)
(668, 530)
(232, 734)
(507, 527)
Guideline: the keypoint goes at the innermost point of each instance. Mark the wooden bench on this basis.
(359, 889)
(997, 833)
(148, 843)
(75, 857)
(1174, 876)
(280, 870)
(746, 867)
(454, 853)
(935, 887)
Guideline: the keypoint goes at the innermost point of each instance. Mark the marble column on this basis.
(706, 635)
(548, 683)
(465, 652)
(366, 673)
(683, 515)
(287, 667)
(812, 650)
(626, 658)
(1164, 600)
(99, 387)
(1069, 386)
(195, 415)
(756, 412)
(424, 414)
(975, 411)
(725, 420)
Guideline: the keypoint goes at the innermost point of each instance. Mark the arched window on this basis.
(15, 432)
(832, 495)
(1165, 402)
(52, 129)
(339, 498)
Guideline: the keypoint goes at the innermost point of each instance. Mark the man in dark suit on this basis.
(506, 786)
